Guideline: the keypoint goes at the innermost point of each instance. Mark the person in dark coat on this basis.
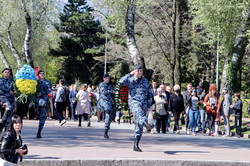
(237, 108)
(11, 147)
(176, 106)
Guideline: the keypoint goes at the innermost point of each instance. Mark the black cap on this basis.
(105, 75)
(5, 69)
(137, 67)
(40, 71)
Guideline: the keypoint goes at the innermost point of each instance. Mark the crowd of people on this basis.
(203, 111)
(153, 107)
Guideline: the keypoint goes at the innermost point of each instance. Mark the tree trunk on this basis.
(240, 43)
(3, 58)
(224, 75)
(177, 43)
(27, 39)
(11, 46)
(13, 49)
(130, 24)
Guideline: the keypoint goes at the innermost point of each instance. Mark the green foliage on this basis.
(81, 39)
(43, 14)
(219, 17)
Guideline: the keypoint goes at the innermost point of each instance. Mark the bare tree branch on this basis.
(163, 51)
(3, 58)
(12, 47)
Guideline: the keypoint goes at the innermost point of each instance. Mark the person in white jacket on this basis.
(83, 105)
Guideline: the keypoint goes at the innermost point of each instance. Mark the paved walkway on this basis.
(77, 143)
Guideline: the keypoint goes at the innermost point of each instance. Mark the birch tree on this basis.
(3, 58)
(26, 47)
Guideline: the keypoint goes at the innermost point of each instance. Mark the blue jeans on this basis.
(73, 109)
(193, 116)
(201, 121)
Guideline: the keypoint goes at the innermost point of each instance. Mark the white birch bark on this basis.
(130, 23)
(11, 46)
(27, 39)
(3, 58)
(13, 49)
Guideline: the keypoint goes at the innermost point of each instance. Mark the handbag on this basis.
(182, 119)
(156, 116)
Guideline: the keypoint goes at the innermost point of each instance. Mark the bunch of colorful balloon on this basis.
(25, 82)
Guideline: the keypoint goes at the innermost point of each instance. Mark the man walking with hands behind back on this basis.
(226, 110)
(140, 99)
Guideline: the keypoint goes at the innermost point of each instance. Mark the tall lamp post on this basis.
(217, 63)
(106, 50)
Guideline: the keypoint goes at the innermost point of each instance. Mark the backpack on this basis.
(65, 95)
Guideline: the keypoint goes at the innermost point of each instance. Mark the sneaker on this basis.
(237, 136)
(216, 134)
(63, 122)
(178, 132)
(88, 125)
(188, 131)
(194, 134)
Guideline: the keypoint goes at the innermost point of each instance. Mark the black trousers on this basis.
(176, 115)
(60, 106)
(238, 122)
(161, 123)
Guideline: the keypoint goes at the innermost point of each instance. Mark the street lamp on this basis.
(217, 62)
(106, 50)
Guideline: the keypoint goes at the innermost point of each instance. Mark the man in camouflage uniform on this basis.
(6, 92)
(44, 88)
(140, 99)
(106, 91)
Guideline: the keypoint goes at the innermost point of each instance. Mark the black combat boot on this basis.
(106, 134)
(136, 145)
(38, 135)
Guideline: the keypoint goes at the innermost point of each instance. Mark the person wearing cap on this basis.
(6, 86)
(226, 111)
(139, 100)
(44, 89)
(7, 93)
(105, 101)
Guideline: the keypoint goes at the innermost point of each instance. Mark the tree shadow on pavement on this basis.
(39, 157)
(175, 152)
